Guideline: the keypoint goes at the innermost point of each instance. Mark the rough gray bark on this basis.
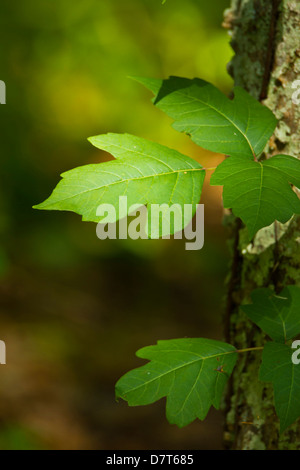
(266, 41)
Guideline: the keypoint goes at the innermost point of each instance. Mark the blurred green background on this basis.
(75, 309)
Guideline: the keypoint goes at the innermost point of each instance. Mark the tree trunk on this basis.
(266, 41)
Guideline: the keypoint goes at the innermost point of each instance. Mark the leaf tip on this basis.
(153, 84)
(38, 206)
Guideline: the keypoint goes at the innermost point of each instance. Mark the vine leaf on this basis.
(259, 192)
(145, 172)
(277, 367)
(240, 127)
(191, 373)
(276, 315)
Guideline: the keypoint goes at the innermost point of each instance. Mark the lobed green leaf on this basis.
(259, 192)
(145, 172)
(277, 367)
(240, 127)
(276, 315)
(190, 372)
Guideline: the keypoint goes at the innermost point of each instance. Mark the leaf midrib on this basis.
(219, 112)
(179, 367)
(187, 170)
(260, 192)
(290, 393)
(280, 318)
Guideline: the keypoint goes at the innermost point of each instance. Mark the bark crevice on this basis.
(265, 39)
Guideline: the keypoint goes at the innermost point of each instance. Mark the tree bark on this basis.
(266, 40)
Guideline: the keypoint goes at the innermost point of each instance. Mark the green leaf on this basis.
(240, 127)
(259, 192)
(277, 367)
(276, 315)
(186, 371)
(145, 172)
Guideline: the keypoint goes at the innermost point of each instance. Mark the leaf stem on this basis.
(249, 349)
(258, 348)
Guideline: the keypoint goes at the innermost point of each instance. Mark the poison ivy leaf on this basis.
(191, 373)
(276, 315)
(287, 165)
(277, 367)
(145, 172)
(240, 127)
(259, 192)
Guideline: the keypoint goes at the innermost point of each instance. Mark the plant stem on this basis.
(250, 349)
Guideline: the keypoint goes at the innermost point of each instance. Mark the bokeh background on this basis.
(75, 309)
